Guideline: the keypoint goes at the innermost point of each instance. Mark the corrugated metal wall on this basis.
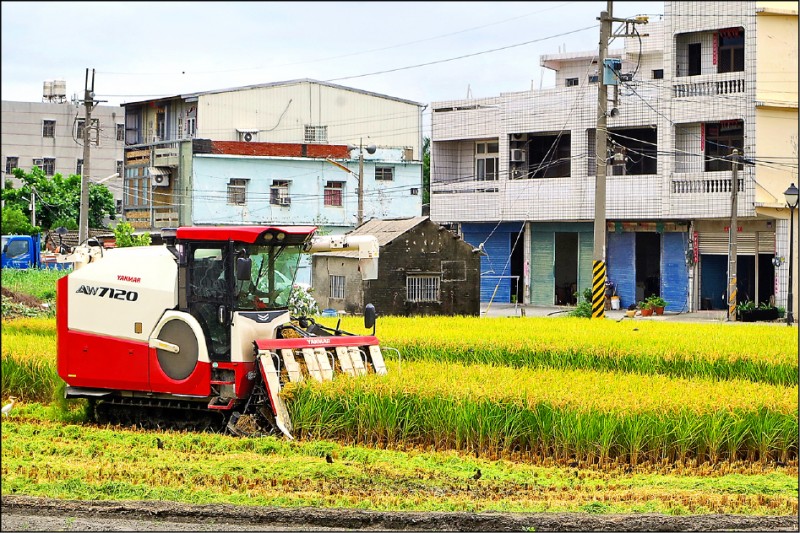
(543, 279)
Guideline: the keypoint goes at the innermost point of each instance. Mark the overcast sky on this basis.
(419, 51)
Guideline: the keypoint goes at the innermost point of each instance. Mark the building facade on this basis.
(267, 140)
(49, 134)
(423, 269)
(516, 172)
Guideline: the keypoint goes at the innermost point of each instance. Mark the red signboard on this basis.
(696, 247)
(715, 48)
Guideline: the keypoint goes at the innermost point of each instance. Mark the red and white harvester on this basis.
(197, 332)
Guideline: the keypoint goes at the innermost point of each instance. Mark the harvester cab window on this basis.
(208, 297)
(271, 278)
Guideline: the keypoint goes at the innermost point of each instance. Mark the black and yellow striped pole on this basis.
(598, 288)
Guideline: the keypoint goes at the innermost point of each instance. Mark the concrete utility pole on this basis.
(732, 237)
(88, 102)
(360, 183)
(601, 155)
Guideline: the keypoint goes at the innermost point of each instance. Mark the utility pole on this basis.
(88, 102)
(601, 155)
(732, 237)
(360, 182)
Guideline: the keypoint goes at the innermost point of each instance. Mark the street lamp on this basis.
(791, 200)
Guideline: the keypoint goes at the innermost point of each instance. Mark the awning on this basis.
(159, 171)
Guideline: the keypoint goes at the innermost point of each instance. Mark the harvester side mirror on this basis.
(244, 266)
(369, 316)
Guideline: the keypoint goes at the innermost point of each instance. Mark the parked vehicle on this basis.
(27, 251)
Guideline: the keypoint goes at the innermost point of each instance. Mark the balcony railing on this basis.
(704, 185)
(710, 85)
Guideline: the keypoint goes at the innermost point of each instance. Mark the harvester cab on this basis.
(202, 324)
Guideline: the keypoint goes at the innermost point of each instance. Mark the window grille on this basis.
(572, 82)
(120, 132)
(47, 164)
(120, 167)
(337, 287)
(48, 128)
(316, 134)
(11, 164)
(237, 191)
(422, 288)
(80, 128)
(384, 173)
(79, 167)
(279, 193)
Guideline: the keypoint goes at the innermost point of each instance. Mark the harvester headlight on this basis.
(214, 364)
(268, 236)
(281, 236)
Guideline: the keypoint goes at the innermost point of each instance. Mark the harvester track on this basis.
(158, 414)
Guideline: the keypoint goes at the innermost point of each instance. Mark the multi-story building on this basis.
(49, 134)
(286, 153)
(516, 172)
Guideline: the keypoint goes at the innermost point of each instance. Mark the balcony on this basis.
(708, 194)
(166, 155)
(709, 85)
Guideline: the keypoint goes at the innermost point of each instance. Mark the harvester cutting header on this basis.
(197, 332)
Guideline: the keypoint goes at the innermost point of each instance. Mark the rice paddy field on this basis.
(476, 414)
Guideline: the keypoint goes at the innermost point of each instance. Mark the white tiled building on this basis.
(48, 134)
(516, 171)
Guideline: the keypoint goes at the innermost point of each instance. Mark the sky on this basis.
(419, 51)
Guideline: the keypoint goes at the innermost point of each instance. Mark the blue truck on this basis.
(25, 251)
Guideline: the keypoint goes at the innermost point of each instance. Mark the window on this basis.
(316, 134)
(730, 50)
(137, 187)
(79, 128)
(161, 124)
(414, 191)
(384, 173)
(47, 164)
(237, 191)
(48, 128)
(120, 168)
(720, 140)
(120, 133)
(593, 78)
(572, 82)
(550, 156)
(11, 164)
(79, 167)
(333, 193)
(279, 193)
(658, 74)
(422, 288)
(337, 287)
(487, 160)
(695, 62)
(191, 127)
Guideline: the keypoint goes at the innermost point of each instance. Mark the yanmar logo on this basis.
(108, 292)
(318, 341)
(132, 279)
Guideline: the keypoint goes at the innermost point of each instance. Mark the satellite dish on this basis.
(371, 149)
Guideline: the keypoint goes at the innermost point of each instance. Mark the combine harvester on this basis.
(197, 332)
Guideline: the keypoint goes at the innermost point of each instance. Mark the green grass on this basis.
(40, 283)
(41, 457)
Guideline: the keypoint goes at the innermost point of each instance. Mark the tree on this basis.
(58, 199)
(16, 223)
(124, 237)
(426, 171)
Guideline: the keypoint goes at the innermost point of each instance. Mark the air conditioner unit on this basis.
(38, 162)
(248, 135)
(517, 155)
(285, 200)
(160, 180)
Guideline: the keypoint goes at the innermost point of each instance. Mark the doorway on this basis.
(648, 265)
(565, 268)
(517, 265)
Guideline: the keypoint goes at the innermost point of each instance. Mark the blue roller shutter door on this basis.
(674, 271)
(621, 267)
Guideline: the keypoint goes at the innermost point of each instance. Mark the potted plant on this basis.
(646, 307)
(747, 311)
(631, 311)
(658, 303)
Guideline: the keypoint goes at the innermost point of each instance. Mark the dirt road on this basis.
(22, 513)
